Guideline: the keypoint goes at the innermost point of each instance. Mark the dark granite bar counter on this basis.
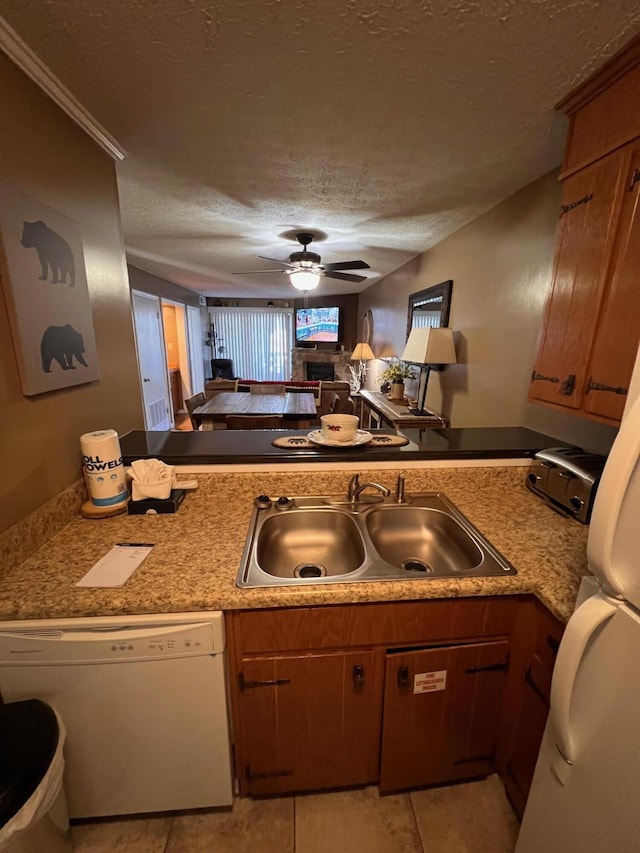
(220, 447)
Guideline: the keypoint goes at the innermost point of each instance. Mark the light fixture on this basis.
(304, 279)
(427, 346)
(361, 354)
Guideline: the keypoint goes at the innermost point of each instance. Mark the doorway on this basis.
(174, 319)
(152, 362)
(183, 342)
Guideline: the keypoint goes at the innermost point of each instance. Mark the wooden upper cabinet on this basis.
(584, 244)
(602, 111)
(592, 321)
(618, 330)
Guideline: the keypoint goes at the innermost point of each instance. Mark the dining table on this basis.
(297, 409)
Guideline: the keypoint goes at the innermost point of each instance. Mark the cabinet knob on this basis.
(358, 675)
(403, 676)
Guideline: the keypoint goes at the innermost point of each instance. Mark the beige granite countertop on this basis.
(197, 551)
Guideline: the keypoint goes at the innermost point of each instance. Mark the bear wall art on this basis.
(45, 286)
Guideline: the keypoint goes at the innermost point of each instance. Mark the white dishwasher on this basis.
(144, 702)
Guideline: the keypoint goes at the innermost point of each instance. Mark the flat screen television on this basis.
(317, 324)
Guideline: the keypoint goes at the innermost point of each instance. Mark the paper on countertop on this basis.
(117, 566)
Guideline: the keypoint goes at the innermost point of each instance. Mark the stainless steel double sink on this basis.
(329, 539)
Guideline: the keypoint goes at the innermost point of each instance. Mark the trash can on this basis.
(33, 810)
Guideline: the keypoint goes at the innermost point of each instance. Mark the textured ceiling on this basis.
(383, 125)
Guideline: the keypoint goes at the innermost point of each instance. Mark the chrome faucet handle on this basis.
(354, 485)
(400, 498)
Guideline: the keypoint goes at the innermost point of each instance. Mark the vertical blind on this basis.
(257, 340)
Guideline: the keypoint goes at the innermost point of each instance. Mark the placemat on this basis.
(303, 442)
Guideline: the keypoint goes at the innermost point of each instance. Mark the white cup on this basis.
(339, 427)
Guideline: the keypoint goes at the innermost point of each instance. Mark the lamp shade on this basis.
(304, 279)
(430, 346)
(362, 352)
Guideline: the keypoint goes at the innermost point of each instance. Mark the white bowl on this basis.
(339, 427)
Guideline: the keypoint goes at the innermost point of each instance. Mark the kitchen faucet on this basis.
(356, 487)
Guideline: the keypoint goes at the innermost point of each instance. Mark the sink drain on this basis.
(417, 566)
(309, 570)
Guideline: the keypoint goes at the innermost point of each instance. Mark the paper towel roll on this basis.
(103, 468)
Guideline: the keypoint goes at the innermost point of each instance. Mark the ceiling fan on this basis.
(305, 269)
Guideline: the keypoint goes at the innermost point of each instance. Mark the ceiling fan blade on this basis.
(254, 272)
(347, 265)
(284, 263)
(343, 276)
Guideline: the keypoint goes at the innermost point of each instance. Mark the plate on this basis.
(318, 437)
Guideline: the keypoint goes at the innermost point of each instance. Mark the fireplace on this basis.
(319, 370)
(338, 361)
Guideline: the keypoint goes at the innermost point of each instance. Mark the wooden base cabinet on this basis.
(310, 721)
(441, 714)
(534, 648)
(316, 690)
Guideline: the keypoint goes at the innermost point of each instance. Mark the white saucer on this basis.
(318, 437)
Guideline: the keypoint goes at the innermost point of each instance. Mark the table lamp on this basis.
(425, 347)
(361, 354)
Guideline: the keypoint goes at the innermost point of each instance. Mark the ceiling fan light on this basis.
(304, 279)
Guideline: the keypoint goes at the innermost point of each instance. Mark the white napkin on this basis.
(151, 478)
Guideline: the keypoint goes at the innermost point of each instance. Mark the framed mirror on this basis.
(430, 307)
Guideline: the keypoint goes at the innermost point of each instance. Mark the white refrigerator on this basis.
(585, 795)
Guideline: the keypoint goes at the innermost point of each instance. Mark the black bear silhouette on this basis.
(63, 344)
(53, 251)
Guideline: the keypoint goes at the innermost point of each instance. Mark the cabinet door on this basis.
(529, 716)
(618, 332)
(583, 251)
(310, 721)
(441, 710)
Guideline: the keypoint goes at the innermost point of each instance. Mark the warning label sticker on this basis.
(430, 682)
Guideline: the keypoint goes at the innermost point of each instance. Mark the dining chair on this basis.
(192, 403)
(254, 422)
(340, 406)
(334, 401)
(267, 389)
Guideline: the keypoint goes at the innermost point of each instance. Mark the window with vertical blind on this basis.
(258, 340)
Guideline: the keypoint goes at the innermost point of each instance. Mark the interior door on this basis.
(152, 361)
(196, 360)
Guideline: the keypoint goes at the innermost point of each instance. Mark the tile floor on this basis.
(474, 817)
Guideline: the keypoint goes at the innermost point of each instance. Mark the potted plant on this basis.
(395, 373)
